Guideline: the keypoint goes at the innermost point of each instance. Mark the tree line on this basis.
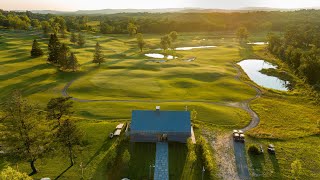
(299, 47)
(29, 132)
(159, 23)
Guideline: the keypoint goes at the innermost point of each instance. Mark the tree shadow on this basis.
(63, 172)
(275, 164)
(105, 146)
(257, 162)
(22, 72)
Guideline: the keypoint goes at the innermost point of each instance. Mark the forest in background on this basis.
(163, 22)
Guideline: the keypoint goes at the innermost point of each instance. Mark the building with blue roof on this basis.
(156, 125)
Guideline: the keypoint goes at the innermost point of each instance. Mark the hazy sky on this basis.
(70, 5)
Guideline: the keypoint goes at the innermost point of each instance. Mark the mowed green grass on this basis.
(129, 75)
(211, 78)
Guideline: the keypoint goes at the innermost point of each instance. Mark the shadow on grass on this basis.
(257, 162)
(23, 71)
(105, 146)
(63, 172)
(275, 164)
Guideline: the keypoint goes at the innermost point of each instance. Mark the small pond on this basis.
(252, 68)
(160, 56)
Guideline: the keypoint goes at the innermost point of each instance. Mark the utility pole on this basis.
(203, 170)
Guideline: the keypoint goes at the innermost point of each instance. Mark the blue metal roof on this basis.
(160, 121)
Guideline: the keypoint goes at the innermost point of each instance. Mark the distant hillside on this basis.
(182, 10)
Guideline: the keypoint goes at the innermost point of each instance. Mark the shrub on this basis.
(253, 149)
(207, 157)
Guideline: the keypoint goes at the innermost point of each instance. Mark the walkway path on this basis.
(161, 171)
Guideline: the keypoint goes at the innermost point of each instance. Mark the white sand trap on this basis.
(160, 56)
(258, 43)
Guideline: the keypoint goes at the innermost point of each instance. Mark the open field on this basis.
(287, 119)
(210, 79)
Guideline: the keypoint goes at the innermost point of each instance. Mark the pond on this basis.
(252, 68)
(160, 56)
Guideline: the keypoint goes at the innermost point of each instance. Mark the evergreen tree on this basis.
(72, 62)
(98, 56)
(73, 38)
(36, 50)
(81, 40)
(54, 49)
(63, 56)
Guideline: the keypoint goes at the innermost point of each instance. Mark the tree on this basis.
(165, 42)
(98, 56)
(140, 41)
(174, 36)
(11, 174)
(35, 23)
(126, 157)
(73, 38)
(25, 134)
(192, 157)
(54, 49)
(81, 40)
(36, 51)
(45, 25)
(296, 169)
(242, 34)
(69, 136)
(72, 62)
(63, 55)
(58, 109)
(194, 114)
(132, 29)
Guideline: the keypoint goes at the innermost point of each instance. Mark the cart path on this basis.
(239, 150)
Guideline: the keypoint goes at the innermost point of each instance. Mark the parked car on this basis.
(271, 149)
(238, 135)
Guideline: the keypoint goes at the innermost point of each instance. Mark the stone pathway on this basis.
(161, 171)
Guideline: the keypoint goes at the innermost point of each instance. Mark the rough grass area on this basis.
(267, 166)
(285, 118)
(290, 121)
(95, 134)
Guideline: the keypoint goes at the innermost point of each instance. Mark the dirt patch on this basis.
(224, 155)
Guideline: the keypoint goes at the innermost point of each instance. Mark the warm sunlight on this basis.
(159, 89)
(71, 5)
